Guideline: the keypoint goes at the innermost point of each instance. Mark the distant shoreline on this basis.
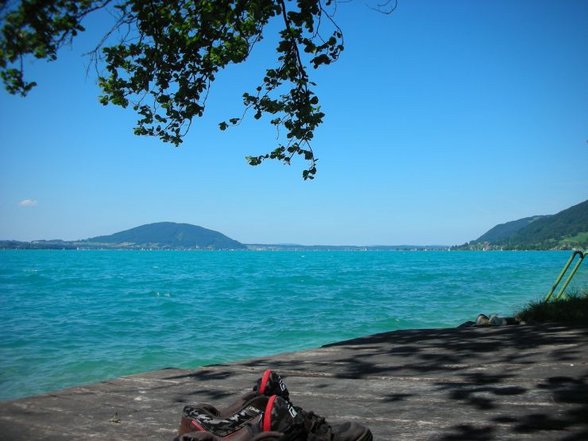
(89, 246)
(83, 245)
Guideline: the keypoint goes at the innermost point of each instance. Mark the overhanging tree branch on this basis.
(166, 63)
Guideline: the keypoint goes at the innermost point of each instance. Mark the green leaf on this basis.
(164, 57)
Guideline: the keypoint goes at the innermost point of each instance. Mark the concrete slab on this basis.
(514, 382)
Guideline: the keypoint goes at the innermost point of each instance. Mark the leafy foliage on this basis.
(37, 28)
(169, 53)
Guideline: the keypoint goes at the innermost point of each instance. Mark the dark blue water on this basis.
(73, 317)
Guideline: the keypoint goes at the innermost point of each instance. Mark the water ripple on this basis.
(73, 317)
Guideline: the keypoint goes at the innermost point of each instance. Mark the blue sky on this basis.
(443, 120)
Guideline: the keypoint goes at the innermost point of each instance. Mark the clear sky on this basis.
(444, 119)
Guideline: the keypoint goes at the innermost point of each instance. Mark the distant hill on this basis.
(162, 235)
(565, 230)
(504, 231)
(168, 235)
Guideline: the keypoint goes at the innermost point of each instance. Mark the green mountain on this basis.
(565, 230)
(504, 231)
(167, 235)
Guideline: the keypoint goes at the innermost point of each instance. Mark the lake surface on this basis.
(75, 317)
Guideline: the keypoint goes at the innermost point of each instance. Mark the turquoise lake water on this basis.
(76, 317)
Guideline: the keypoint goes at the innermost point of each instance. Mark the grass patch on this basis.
(580, 240)
(573, 310)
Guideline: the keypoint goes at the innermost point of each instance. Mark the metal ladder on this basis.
(575, 253)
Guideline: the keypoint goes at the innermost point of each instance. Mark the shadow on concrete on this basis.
(522, 379)
(204, 388)
(498, 382)
(512, 382)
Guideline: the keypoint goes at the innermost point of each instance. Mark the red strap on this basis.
(267, 417)
(264, 380)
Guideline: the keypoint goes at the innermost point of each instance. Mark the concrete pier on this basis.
(511, 382)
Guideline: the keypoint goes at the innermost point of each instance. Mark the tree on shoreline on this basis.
(161, 58)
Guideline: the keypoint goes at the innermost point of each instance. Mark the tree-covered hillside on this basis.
(504, 231)
(565, 230)
(169, 235)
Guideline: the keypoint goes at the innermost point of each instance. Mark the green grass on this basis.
(580, 240)
(573, 310)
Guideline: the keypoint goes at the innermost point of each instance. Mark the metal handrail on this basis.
(563, 272)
